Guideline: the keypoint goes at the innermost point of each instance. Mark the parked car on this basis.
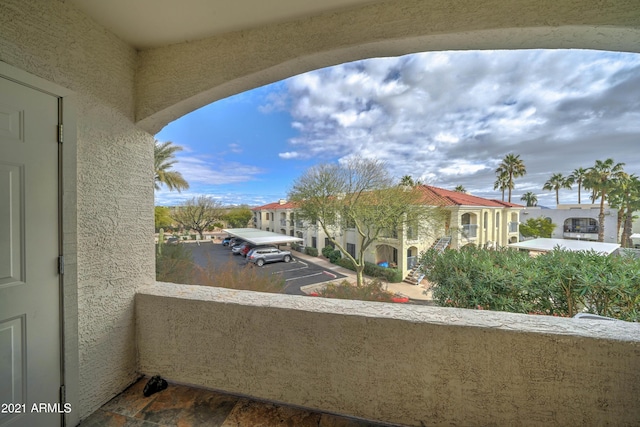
(173, 240)
(254, 248)
(262, 256)
(235, 241)
(226, 240)
(237, 249)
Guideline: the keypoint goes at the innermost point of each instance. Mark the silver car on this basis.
(261, 256)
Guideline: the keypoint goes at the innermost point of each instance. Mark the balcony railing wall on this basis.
(417, 366)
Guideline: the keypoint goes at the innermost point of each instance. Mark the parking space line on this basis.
(304, 277)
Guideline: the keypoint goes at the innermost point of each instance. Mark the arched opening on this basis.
(469, 223)
(412, 257)
(387, 256)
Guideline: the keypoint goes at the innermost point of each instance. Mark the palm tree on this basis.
(407, 181)
(514, 167)
(578, 176)
(163, 155)
(460, 189)
(556, 183)
(501, 183)
(625, 196)
(601, 179)
(531, 198)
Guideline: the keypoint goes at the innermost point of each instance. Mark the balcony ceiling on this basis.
(154, 23)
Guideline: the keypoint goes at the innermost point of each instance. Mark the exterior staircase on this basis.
(415, 275)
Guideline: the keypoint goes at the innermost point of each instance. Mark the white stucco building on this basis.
(84, 86)
(467, 220)
(577, 221)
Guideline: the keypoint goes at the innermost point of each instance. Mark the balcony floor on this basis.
(184, 406)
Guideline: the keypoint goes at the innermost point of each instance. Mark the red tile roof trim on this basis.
(433, 196)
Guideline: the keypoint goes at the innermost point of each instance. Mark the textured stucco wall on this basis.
(235, 62)
(410, 365)
(113, 201)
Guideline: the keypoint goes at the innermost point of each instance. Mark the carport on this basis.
(260, 237)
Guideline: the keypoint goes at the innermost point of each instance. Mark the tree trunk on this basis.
(627, 229)
(601, 219)
(360, 275)
(579, 185)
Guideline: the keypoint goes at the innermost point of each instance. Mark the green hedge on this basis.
(311, 251)
(392, 275)
(327, 251)
(559, 283)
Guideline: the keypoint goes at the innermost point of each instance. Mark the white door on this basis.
(30, 370)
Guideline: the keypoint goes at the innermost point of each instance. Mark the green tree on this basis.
(625, 196)
(601, 179)
(163, 217)
(514, 167)
(578, 176)
(530, 198)
(238, 217)
(359, 194)
(198, 214)
(460, 189)
(556, 183)
(537, 227)
(407, 181)
(164, 159)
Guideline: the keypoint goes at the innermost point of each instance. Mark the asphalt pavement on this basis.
(302, 276)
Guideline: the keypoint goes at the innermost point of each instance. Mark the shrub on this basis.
(175, 264)
(334, 256)
(346, 263)
(392, 275)
(230, 276)
(311, 251)
(372, 290)
(559, 283)
(327, 251)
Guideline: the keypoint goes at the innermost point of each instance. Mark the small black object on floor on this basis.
(155, 384)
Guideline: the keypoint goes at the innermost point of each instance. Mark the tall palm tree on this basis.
(514, 167)
(601, 179)
(502, 182)
(531, 198)
(164, 159)
(625, 196)
(460, 189)
(407, 181)
(578, 176)
(556, 183)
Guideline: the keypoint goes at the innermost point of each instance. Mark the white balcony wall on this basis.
(397, 364)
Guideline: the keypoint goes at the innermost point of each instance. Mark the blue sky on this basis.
(446, 118)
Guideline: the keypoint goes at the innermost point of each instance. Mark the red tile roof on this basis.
(433, 196)
(440, 197)
(275, 206)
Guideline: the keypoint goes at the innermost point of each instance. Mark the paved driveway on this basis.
(296, 273)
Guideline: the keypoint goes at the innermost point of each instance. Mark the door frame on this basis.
(67, 232)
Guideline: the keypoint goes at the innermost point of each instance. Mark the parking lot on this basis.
(296, 273)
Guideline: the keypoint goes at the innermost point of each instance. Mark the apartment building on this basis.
(467, 220)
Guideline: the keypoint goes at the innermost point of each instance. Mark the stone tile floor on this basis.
(183, 406)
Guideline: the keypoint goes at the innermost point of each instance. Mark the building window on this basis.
(327, 242)
(351, 249)
(314, 242)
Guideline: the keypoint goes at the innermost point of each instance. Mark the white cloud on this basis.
(450, 117)
(200, 170)
(289, 155)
